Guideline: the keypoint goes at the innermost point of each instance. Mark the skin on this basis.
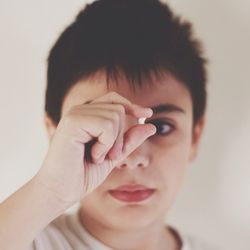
(160, 163)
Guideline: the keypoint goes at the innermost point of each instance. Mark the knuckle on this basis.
(113, 94)
(73, 112)
(108, 125)
(70, 116)
(121, 109)
(73, 115)
(72, 119)
(69, 122)
(115, 116)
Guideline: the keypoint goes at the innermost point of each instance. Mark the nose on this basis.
(139, 157)
(134, 160)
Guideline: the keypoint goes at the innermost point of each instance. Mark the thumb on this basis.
(135, 136)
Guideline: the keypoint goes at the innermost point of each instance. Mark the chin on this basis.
(132, 217)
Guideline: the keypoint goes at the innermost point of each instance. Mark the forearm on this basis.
(25, 213)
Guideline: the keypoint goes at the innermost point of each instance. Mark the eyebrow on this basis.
(167, 108)
(163, 108)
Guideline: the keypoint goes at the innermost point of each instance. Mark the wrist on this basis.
(52, 202)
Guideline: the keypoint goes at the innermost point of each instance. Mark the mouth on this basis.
(132, 193)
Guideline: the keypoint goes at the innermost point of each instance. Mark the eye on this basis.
(162, 127)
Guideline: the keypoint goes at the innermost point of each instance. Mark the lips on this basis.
(132, 193)
(131, 188)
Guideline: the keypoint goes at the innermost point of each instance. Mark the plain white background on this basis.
(214, 201)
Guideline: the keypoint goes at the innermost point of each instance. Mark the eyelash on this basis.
(158, 123)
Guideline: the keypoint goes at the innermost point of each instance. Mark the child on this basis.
(125, 111)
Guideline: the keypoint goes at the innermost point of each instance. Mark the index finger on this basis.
(131, 108)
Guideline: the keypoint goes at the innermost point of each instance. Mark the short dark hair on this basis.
(135, 37)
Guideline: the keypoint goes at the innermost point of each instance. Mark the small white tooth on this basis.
(141, 120)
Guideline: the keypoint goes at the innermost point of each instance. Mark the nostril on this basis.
(122, 166)
(125, 165)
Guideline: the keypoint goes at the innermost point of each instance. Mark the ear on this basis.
(50, 126)
(196, 137)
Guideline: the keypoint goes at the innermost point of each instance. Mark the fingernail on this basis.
(153, 130)
(150, 111)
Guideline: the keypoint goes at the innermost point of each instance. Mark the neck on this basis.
(154, 236)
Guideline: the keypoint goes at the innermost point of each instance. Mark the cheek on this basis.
(172, 166)
(171, 171)
(172, 160)
(173, 151)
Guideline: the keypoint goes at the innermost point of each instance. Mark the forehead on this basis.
(165, 89)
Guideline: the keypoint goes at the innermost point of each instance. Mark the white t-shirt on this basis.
(67, 233)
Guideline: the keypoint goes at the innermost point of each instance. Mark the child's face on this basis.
(164, 156)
